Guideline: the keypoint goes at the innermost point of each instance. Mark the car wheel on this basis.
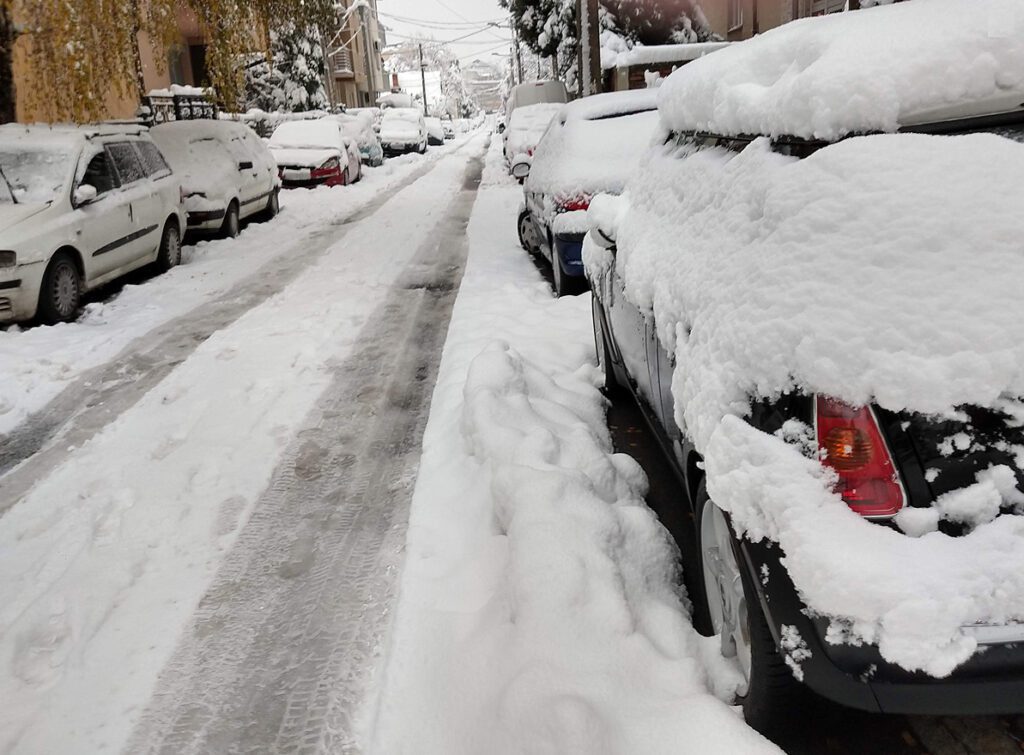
(232, 223)
(273, 206)
(769, 692)
(170, 248)
(61, 292)
(527, 232)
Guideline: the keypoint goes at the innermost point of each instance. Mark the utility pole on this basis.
(519, 58)
(371, 88)
(589, 34)
(423, 80)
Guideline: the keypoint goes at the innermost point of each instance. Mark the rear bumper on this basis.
(990, 683)
(398, 148)
(569, 252)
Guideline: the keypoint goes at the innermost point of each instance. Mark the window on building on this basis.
(735, 14)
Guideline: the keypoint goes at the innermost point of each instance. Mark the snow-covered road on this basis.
(230, 444)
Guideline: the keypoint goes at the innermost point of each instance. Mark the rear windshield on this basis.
(35, 173)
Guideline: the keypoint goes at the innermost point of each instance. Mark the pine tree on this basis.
(294, 79)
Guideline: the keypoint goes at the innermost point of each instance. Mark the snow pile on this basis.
(596, 145)
(527, 125)
(538, 610)
(873, 70)
(883, 268)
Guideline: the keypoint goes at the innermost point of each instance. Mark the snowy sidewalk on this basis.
(538, 611)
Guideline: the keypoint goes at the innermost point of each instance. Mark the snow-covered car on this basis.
(315, 152)
(591, 146)
(80, 207)
(535, 92)
(449, 128)
(526, 126)
(435, 132)
(825, 328)
(226, 171)
(360, 127)
(402, 129)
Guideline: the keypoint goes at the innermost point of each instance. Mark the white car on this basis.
(315, 152)
(226, 171)
(449, 129)
(435, 132)
(78, 208)
(403, 129)
(525, 128)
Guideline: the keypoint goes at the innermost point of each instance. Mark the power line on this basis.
(453, 25)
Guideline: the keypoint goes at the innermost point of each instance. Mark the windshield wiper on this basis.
(10, 189)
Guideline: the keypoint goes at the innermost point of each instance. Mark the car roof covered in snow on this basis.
(611, 104)
(323, 133)
(67, 136)
(876, 69)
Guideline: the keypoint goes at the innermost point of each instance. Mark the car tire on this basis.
(524, 224)
(772, 693)
(61, 292)
(169, 254)
(273, 205)
(232, 225)
(344, 178)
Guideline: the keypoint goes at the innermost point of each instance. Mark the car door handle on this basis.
(131, 212)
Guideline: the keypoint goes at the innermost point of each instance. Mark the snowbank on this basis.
(538, 609)
(884, 268)
(873, 70)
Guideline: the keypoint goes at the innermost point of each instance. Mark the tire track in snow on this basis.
(282, 650)
(101, 395)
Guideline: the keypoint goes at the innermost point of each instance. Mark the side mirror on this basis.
(603, 238)
(84, 194)
(245, 165)
(521, 165)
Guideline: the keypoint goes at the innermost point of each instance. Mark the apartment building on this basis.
(355, 76)
(736, 20)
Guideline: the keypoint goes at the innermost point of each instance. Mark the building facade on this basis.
(736, 20)
(355, 69)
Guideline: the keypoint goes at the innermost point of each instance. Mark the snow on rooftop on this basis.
(870, 70)
(662, 54)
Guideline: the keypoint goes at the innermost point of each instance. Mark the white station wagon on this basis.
(80, 207)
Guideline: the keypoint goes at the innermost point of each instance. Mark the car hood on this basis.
(12, 214)
(303, 158)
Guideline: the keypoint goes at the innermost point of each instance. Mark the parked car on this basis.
(591, 146)
(314, 152)
(534, 92)
(80, 207)
(360, 127)
(526, 126)
(811, 321)
(449, 128)
(435, 132)
(403, 129)
(226, 171)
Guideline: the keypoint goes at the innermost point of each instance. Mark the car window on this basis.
(98, 174)
(152, 160)
(238, 149)
(126, 162)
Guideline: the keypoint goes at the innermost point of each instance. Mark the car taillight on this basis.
(851, 443)
(572, 204)
(529, 151)
(330, 168)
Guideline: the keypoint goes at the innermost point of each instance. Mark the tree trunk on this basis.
(8, 35)
(140, 76)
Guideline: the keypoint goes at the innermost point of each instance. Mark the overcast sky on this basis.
(449, 20)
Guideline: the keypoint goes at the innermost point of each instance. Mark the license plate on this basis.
(296, 174)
